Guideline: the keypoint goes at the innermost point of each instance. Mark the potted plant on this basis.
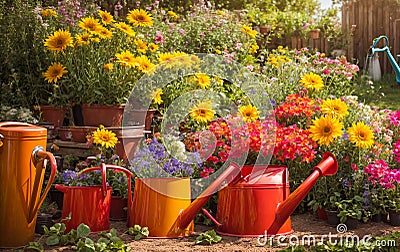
(98, 62)
(350, 211)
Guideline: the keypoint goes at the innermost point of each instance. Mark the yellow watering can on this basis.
(22, 166)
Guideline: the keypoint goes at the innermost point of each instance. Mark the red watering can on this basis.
(90, 204)
(258, 201)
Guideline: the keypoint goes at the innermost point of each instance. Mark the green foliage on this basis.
(36, 246)
(209, 237)
(138, 232)
(22, 57)
(109, 241)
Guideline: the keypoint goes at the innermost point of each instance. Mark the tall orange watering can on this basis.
(22, 166)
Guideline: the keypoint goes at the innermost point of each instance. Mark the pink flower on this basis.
(159, 38)
(206, 172)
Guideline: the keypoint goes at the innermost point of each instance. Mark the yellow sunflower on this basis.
(105, 138)
(172, 14)
(202, 80)
(48, 12)
(249, 113)
(59, 41)
(106, 17)
(144, 64)
(89, 24)
(141, 45)
(202, 112)
(126, 58)
(248, 30)
(361, 135)
(156, 95)
(103, 33)
(124, 27)
(325, 129)
(312, 81)
(334, 107)
(54, 72)
(139, 18)
(162, 57)
(82, 39)
(153, 47)
(108, 67)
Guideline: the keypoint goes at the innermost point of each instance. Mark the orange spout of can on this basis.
(327, 167)
(188, 214)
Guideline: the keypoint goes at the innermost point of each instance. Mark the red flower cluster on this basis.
(293, 142)
(296, 105)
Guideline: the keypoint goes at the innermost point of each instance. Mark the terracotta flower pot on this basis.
(79, 133)
(314, 34)
(53, 115)
(64, 133)
(108, 116)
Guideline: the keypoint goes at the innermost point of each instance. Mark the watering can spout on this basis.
(188, 214)
(327, 167)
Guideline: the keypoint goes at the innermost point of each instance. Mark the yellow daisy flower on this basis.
(248, 30)
(124, 27)
(89, 24)
(325, 129)
(141, 46)
(54, 72)
(334, 107)
(105, 138)
(103, 33)
(156, 95)
(59, 41)
(108, 67)
(106, 17)
(82, 39)
(144, 64)
(48, 12)
(153, 47)
(162, 57)
(126, 58)
(249, 113)
(202, 80)
(312, 81)
(139, 18)
(361, 135)
(172, 14)
(202, 112)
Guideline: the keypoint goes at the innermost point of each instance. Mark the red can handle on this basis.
(103, 168)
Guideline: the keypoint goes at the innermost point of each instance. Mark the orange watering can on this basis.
(22, 166)
(164, 204)
(258, 201)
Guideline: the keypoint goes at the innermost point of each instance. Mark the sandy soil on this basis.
(302, 224)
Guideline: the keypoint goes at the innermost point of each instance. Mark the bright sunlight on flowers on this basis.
(361, 135)
(249, 113)
(312, 81)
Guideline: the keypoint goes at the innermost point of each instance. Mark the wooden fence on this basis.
(372, 18)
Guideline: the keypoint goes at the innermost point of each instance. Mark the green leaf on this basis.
(113, 232)
(103, 240)
(35, 246)
(83, 230)
(52, 240)
(145, 231)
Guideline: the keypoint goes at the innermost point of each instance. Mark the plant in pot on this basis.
(350, 211)
(99, 61)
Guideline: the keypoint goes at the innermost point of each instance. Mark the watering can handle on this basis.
(38, 158)
(103, 168)
(378, 39)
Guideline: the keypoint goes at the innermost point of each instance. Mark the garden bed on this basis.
(303, 224)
